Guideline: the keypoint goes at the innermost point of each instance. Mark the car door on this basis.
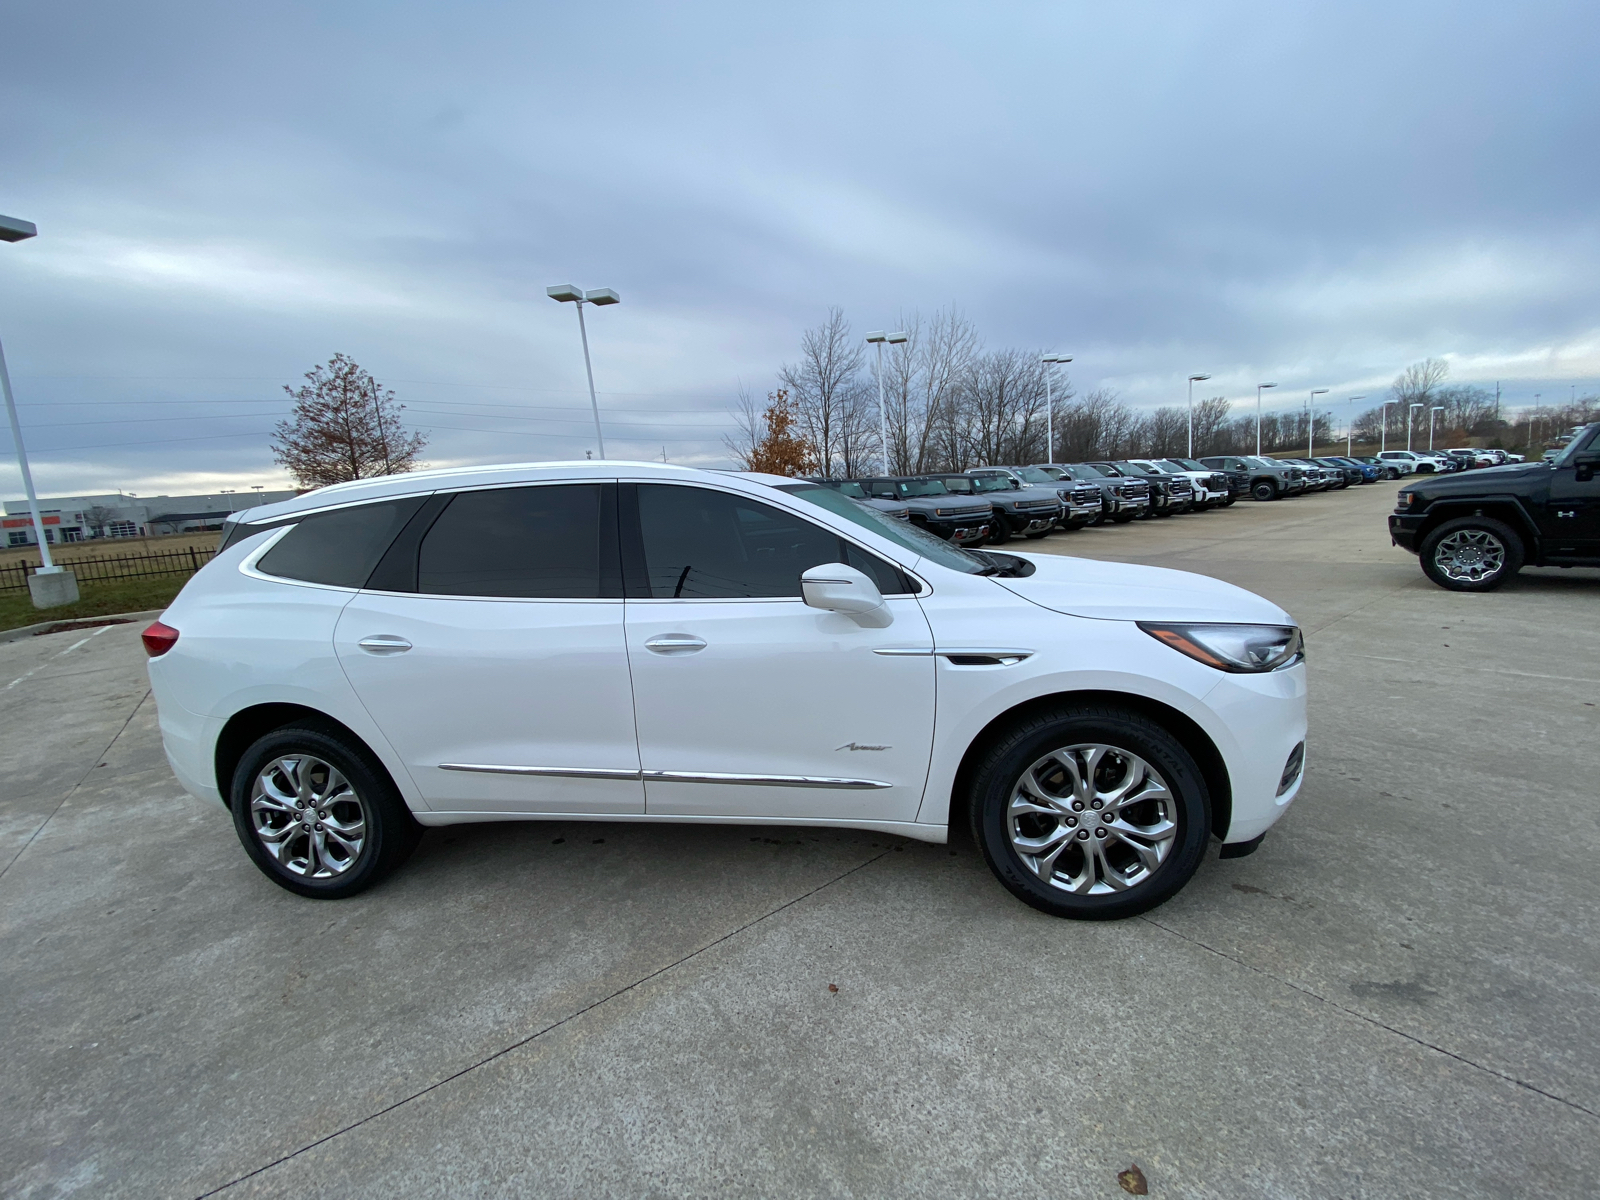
(1573, 516)
(488, 646)
(748, 702)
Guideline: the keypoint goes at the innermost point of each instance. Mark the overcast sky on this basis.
(226, 194)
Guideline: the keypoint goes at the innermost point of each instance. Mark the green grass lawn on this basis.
(97, 600)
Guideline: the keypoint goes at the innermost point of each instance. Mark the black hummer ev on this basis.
(1476, 529)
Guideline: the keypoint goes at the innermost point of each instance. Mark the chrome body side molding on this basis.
(961, 656)
(547, 772)
(805, 781)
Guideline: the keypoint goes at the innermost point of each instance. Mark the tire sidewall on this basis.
(391, 830)
(1264, 491)
(995, 779)
(1507, 537)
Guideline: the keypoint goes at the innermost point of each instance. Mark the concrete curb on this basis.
(26, 631)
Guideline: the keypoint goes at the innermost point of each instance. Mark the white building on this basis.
(120, 515)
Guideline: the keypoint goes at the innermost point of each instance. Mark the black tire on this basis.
(389, 831)
(1003, 766)
(1264, 489)
(1122, 518)
(1391, 473)
(999, 531)
(1457, 554)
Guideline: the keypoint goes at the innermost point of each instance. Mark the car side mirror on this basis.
(1583, 466)
(838, 588)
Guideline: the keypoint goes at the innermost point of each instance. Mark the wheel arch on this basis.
(242, 730)
(1506, 509)
(1194, 739)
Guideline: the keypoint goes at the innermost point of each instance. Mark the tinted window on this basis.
(339, 547)
(701, 544)
(529, 542)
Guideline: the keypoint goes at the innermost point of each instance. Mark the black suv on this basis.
(1476, 529)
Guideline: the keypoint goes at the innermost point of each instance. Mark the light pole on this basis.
(13, 229)
(1411, 420)
(1193, 379)
(1383, 429)
(1350, 429)
(1432, 413)
(1049, 406)
(568, 294)
(1259, 387)
(1311, 418)
(878, 339)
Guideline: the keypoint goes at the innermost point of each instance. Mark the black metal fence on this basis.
(14, 576)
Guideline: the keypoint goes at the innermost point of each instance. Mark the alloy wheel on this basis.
(307, 817)
(1470, 555)
(1092, 819)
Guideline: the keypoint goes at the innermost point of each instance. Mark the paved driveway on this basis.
(1397, 996)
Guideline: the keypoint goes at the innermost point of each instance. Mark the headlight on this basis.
(1240, 649)
(1407, 499)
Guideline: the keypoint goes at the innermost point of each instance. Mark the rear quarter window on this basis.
(341, 547)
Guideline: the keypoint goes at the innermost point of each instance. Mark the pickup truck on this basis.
(964, 520)
(1081, 502)
(849, 487)
(1211, 488)
(1121, 500)
(1474, 530)
(1269, 479)
(1019, 510)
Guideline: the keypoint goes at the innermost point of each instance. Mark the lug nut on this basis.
(1077, 806)
(1101, 832)
(1071, 821)
(1099, 803)
(1083, 835)
(319, 829)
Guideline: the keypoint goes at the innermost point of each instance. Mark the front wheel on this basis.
(1264, 489)
(317, 814)
(999, 531)
(1471, 554)
(1093, 812)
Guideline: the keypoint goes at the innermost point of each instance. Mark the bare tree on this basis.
(1210, 427)
(344, 426)
(945, 358)
(97, 517)
(1415, 385)
(826, 389)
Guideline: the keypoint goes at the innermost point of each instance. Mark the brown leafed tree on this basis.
(344, 426)
(767, 441)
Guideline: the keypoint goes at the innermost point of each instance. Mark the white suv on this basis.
(638, 642)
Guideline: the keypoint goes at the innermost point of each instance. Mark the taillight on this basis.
(159, 638)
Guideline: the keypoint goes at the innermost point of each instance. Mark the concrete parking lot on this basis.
(1398, 995)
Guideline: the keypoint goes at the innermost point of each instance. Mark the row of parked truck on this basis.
(995, 504)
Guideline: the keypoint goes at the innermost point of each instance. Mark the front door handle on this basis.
(675, 643)
(384, 643)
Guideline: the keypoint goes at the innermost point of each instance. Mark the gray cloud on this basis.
(1317, 194)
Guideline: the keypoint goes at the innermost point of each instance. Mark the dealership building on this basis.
(124, 515)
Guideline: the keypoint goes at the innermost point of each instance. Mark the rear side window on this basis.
(702, 544)
(537, 543)
(339, 547)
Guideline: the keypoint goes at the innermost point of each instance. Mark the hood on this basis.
(1086, 587)
(1480, 480)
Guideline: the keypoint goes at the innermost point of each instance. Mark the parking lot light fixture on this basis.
(1193, 379)
(1432, 413)
(878, 338)
(1050, 360)
(1259, 388)
(14, 229)
(1411, 420)
(1350, 429)
(1311, 418)
(568, 294)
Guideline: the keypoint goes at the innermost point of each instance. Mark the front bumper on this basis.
(963, 531)
(1123, 504)
(1265, 718)
(1032, 522)
(1404, 530)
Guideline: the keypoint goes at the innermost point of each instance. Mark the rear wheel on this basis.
(1264, 489)
(1471, 554)
(317, 814)
(1093, 812)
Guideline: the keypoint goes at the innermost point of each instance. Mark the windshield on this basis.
(992, 483)
(1186, 464)
(1037, 475)
(1085, 471)
(1572, 447)
(1055, 472)
(959, 485)
(850, 488)
(1110, 470)
(920, 487)
(1260, 462)
(901, 533)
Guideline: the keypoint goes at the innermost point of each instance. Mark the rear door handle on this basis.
(384, 643)
(675, 643)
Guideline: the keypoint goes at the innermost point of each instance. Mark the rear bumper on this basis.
(190, 743)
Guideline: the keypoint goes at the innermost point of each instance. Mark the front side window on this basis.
(537, 543)
(340, 547)
(901, 533)
(700, 544)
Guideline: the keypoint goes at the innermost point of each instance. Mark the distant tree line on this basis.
(952, 404)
